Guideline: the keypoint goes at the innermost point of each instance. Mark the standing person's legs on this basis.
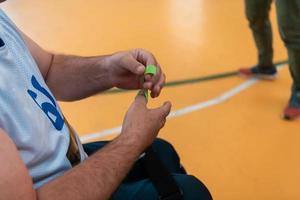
(288, 14)
(257, 13)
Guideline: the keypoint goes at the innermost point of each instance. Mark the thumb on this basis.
(132, 65)
(164, 110)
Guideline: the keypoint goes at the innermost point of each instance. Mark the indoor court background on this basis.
(240, 148)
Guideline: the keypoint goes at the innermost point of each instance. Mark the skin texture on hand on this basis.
(126, 71)
(144, 123)
(73, 77)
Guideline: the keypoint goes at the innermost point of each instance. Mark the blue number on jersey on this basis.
(48, 107)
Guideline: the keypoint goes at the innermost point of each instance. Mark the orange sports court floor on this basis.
(228, 131)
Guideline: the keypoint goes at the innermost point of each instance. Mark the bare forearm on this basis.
(72, 77)
(98, 177)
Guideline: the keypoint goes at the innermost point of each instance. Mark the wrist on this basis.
(108, 65)
(137, 141)
(103, 75)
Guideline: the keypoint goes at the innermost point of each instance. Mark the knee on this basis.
(161, 145)
(257, 19)
(192, 188)
(168, 155)
(258, 22)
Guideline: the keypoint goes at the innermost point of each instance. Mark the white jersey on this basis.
(28, 111)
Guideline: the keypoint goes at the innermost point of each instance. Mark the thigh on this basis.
(192, 188)
(164, 150)
(257, 10)
(288, 12)
(288, 17)
(168, 156)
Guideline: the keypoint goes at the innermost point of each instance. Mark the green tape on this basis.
(146, 94)
(151, 70)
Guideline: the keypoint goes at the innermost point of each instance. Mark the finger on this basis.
(148, 77)
(145, 57)
(147, 85)
(140, 98)
(156, 79)
(163, 111)
(132, 65)
(159, 85)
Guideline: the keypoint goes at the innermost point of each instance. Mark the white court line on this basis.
(217, 100)
(199, 106)
(103, 133)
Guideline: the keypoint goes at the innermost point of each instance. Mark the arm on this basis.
(97, 177)
(73, 77)
(13, 172)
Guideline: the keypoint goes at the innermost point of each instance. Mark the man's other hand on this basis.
(143, 123)
(126, 71)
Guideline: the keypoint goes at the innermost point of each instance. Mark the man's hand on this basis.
(73, 77)
(143, 123)
(126, 71)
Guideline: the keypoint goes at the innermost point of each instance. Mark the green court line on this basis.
(191, 81)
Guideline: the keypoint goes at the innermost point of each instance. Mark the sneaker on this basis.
(268, 73)
(292, 111)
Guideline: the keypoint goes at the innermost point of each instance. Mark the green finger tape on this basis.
(152, 70)
(146, 94)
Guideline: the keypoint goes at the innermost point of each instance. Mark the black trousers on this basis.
(137, 186)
